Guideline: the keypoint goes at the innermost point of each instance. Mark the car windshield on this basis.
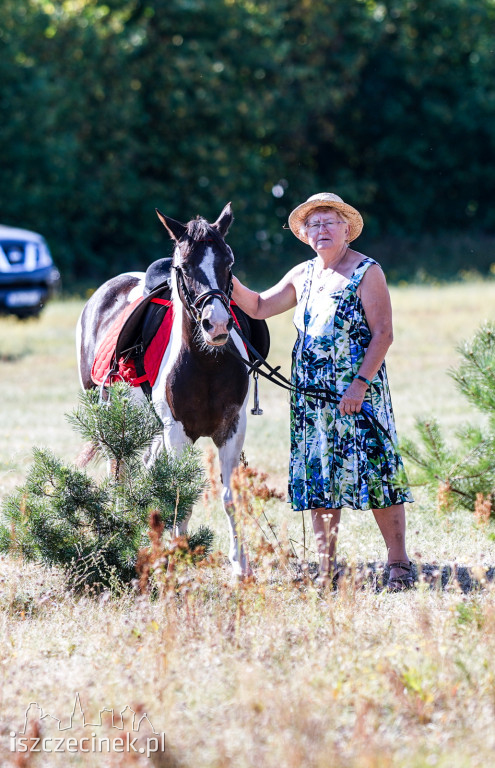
(17, 255)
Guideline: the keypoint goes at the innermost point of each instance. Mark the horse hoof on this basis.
(240, 577)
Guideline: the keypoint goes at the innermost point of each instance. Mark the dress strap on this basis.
(310, 270)
(308, 277)
(359, 272)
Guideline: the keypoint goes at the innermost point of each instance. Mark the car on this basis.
(28, 276)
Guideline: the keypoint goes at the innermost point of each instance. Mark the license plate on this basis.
(23, 298)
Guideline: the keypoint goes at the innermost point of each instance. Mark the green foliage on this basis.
(475, 376)
(463, 475)
(62, 516)
(203, 537)
(173, 482)
(119, 429)
(110, 108)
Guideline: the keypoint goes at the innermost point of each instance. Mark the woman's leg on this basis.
(326, 528)
(392, 524)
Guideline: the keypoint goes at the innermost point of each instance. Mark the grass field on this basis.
(271, 673)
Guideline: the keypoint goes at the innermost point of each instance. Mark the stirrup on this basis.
(403, 582)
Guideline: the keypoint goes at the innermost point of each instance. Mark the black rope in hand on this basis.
(318, 393)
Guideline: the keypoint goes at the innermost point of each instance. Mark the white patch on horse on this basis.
(216, 314)
(240, 346)
(229, 454)
(137, 291)
(207, 265)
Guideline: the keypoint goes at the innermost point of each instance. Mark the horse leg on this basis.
(229, 454)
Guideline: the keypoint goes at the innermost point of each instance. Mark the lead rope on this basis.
(281, 381)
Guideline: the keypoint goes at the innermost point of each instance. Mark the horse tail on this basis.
(85, 455)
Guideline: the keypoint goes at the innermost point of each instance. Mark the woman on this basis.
(344, 322)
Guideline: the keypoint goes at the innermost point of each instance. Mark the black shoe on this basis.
(404, 580)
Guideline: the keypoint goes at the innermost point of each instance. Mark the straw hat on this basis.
(324, 200)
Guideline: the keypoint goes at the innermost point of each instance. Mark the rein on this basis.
(257, 368)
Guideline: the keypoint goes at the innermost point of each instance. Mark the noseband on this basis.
(195, 306)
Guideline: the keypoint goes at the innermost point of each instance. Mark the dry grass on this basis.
(267, 674)
(270, 673)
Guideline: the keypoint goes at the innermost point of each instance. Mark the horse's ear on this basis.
(175, 229)
(224, 220)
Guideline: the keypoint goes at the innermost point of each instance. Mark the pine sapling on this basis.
(61, 515)
(463, 475)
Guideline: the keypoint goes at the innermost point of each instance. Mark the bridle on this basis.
(194, 306)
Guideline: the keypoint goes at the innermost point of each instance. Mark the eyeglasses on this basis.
(314, 226)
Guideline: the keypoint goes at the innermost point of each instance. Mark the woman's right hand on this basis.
(352, 399)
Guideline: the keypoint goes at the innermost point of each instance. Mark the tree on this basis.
(463, 476)
(62, 516)
(110, 108)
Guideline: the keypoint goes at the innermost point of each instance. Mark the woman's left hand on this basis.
(352, 399)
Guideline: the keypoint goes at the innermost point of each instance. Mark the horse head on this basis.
(202, 263)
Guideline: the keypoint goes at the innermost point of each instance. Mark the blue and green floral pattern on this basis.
(339, 461)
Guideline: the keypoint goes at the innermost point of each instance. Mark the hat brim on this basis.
(301, 213)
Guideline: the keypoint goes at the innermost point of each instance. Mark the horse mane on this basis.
(199, 229)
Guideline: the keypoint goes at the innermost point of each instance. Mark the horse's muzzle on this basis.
(216, 325)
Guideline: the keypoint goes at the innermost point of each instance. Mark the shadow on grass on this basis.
(450, 577)
(453, 576)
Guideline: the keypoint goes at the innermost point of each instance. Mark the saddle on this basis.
(134, 346)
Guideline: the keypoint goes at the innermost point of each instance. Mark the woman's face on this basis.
(326, 229)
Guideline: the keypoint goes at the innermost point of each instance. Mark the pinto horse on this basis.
(200, 389)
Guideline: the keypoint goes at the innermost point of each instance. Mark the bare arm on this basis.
(271, 302)
(375, 298)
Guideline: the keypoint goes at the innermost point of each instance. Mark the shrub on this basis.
(93, 528)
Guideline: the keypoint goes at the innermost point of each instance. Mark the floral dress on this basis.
(339, 461)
